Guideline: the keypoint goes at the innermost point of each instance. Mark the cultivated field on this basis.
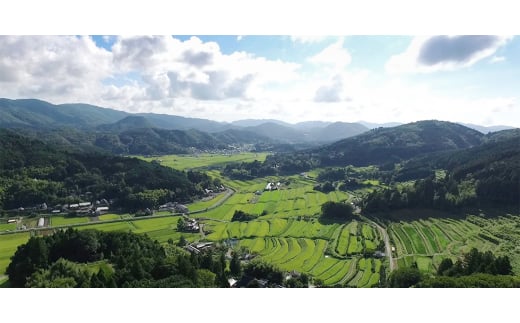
(428, 241)
(289, 233)
(184, 162)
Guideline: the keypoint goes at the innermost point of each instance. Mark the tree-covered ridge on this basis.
(485, 175)
(389, 145)
(33, 173)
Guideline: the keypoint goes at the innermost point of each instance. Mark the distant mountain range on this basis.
(148, 133)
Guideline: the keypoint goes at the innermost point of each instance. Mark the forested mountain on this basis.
(127, 123)
(37, 113)
(166, 121)
(484, 175)
(32, 173)
(388, 145)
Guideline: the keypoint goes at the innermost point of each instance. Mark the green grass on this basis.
(57, 220)
(7, 226)
(8, 245)
(183, 162)
(106, 217)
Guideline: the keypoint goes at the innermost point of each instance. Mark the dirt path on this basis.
(393, 262)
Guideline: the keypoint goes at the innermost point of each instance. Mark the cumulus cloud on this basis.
(334, 56)
(51, 66)
(330, 92)
(429, 54)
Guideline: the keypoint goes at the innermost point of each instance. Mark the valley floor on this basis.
(290, 234)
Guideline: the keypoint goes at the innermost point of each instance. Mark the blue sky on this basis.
(473, 79)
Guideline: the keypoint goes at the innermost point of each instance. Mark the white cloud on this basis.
(334, 56)
(443, 53)
(197, 79)
(308, 39)
(330, 92)
(496, 59)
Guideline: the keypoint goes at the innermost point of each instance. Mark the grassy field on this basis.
(184, 162)
(160, 229)
(8, 245)
(7, 226)
(57, 220)
(107, 217)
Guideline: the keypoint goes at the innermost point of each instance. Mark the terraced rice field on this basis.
(304, 255)
(356, 238)
(427, 242)
(270, 228)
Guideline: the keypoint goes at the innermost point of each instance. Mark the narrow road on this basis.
(393, 262)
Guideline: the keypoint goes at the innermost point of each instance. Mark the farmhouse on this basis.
(379, 254)
(199, 247)
(41, 222)
(191, 225)
(11, 220)
(272, 186)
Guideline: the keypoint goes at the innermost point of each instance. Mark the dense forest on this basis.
(92, 258)
(33, 173)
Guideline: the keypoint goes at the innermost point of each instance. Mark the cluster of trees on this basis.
(476, 262)
(474, 269)
(447, 193)
(248, 170)
(240, 215)
(337, 211)
(32, 173)
(347, 178)
(434, 193)
(131, 260)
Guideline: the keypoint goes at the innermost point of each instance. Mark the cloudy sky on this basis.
(474, 79)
